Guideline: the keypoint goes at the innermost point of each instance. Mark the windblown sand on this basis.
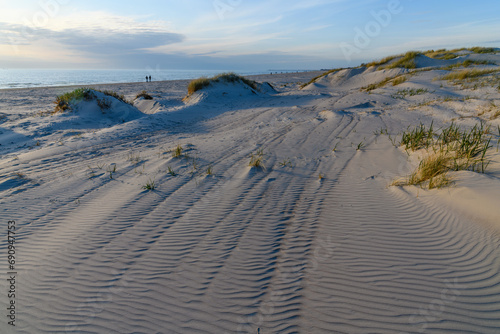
(317, 241)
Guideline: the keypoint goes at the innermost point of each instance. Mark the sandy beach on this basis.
(116, 233)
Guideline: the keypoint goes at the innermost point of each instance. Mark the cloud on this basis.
(102, 41)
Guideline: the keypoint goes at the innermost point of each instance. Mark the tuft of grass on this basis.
(144, 95)
(467, 74)
(171, 171)
(177, 152)
(360, 146)
(286, 163)
(401, 94)
(399, 80)
(321, 176)
(210, 170)
(200, 83)
(150, 185)
(111, 169)
(257, 160)
(453, 149)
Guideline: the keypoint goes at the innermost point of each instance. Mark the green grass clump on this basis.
(198, 84)
(453, 149)
(177, 151)
(467, 74)
(150, 185)
(63, 102)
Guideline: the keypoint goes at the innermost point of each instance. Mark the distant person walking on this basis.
(146, 78)
(149, 78)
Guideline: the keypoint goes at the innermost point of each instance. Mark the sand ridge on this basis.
(317, 241)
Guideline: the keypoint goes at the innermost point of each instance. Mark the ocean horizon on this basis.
(31, 78)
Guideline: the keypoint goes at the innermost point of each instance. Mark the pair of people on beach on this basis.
(148, 79)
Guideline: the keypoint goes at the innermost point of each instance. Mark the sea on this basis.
(29, 78)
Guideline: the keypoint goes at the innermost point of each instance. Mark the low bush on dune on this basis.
(66, 101)
(198, 84)
(451, 149)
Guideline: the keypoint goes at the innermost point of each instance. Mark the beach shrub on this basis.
(198, 84)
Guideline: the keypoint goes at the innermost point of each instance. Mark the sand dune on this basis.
(316, 241)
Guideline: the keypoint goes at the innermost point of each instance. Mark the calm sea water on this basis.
(21, 78)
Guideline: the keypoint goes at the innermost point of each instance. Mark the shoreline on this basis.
(153, 82)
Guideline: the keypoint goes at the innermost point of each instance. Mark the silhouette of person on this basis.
(146, 78)
(149, 78)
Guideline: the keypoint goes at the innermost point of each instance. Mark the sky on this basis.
(234, 34)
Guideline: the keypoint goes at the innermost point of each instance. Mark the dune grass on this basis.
(405, 61)
(467, 63)
(399, 80)
(257, 160)
(402, 93)
(451, 149)
(200, 83)
(382, 61)
(396, 80)
(144, 95)
(479, 49)
(467, 74)
(177, 151)
(313, 80)
(65, 101)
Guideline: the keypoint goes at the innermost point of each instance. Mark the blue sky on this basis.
(234, 34)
